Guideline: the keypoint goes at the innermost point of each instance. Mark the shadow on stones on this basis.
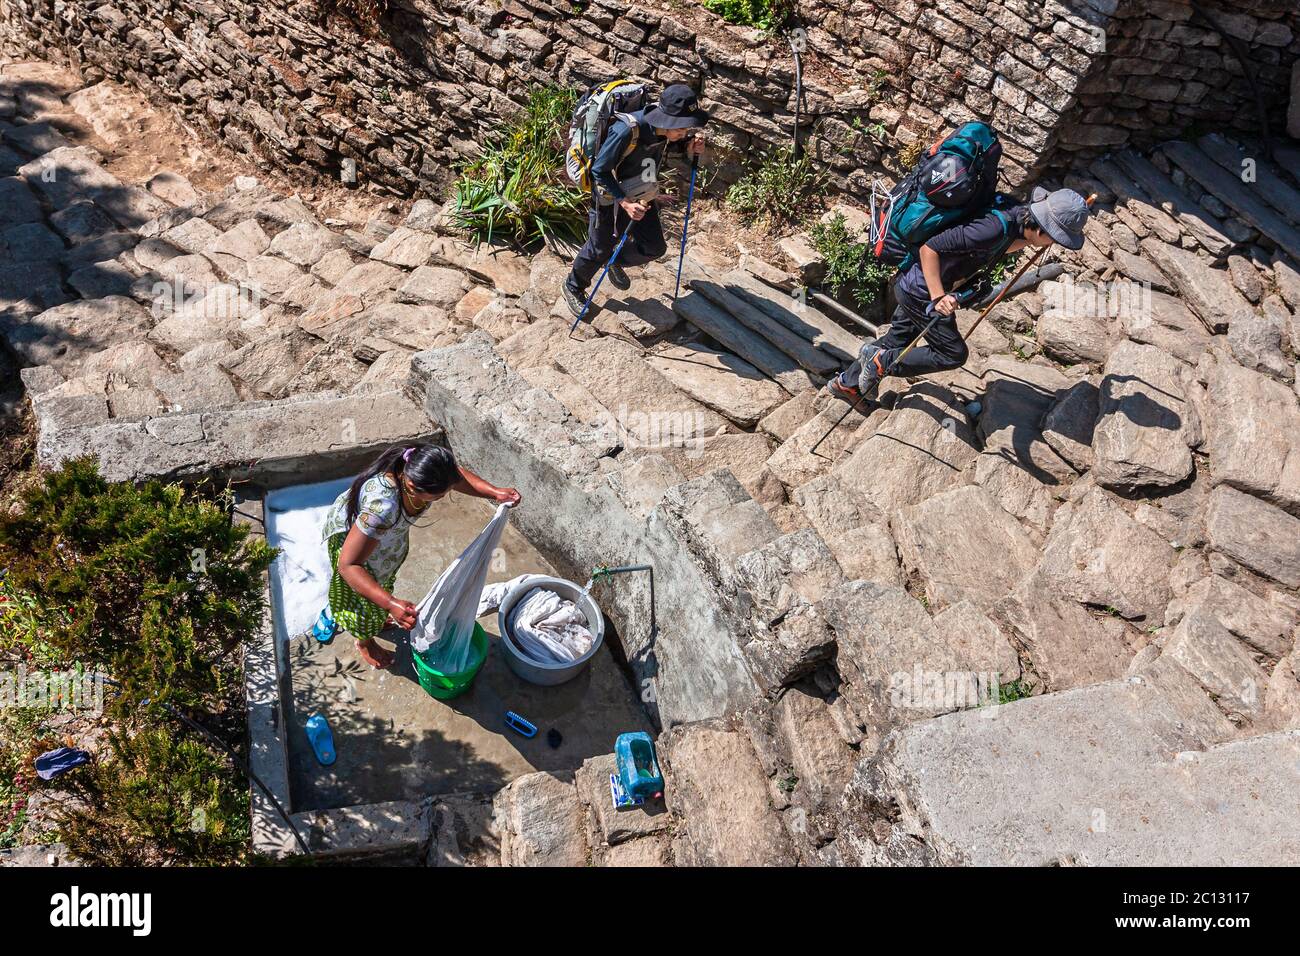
(1138, 408)
(43, 265)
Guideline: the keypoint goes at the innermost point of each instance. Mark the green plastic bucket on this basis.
(446, 686)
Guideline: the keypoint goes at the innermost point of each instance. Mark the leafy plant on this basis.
(159, 798)
(1003, 268)
(777, 189)
(1017, 689)
(851, 266)
(150, 582)
(516, 189)
(764, 14)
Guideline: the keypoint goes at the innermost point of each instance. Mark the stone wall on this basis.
(305, 90)
(1167, 67)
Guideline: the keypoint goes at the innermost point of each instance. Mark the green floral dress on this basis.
(380, 516)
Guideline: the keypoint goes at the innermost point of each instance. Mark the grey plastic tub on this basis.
(539, 672)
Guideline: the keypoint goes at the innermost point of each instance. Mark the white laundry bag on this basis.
(444, 626)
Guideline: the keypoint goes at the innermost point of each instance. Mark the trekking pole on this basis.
(617, 249)
(681, 256)
(875, 385)
(987, 309)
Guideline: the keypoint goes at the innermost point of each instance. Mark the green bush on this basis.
(764, 14)
(160, 798)
(517, 189)
(778, 189)
(850, 265)
(23, 736)
(149, 582)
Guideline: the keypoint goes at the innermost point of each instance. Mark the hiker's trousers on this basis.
(944, 347)
(605, 224)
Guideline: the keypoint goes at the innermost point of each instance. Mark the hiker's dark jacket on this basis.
(964, 251)
(610, 167)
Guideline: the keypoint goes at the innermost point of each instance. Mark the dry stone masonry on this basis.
(303, 88)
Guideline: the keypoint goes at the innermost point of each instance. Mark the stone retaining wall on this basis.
(1166, 68)
(304, 90)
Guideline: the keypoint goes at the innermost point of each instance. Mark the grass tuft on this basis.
(778, 189)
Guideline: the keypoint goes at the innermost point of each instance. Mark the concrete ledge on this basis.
(399, 830)
(574, 513)
(269, 444)
(268, 752)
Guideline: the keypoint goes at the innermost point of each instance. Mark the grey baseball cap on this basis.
(1060, 214)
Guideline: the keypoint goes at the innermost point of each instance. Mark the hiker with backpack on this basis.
(945, 226)
(617, 149)
(950, 271)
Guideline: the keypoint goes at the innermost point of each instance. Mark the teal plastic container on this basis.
(638, 770)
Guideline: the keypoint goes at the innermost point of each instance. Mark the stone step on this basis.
(798, 316)
(1139, 203)
(807, 355)
(723, 327)
(1095, 775)
(1278, 193)
(1189, 213)
(1209, 292)
(1228, 187)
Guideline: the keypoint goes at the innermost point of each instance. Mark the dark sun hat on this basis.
(678, 108)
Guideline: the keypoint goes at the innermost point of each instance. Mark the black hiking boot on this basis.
(618, 278)
(573, 298)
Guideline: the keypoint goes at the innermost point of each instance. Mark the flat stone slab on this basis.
(278, 438)
(718, 380)
(1252, 433)
(1145, 427)
(1101, 775)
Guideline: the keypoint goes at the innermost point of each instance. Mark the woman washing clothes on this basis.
(367, 533)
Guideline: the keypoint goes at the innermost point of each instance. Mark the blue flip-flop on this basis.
(325, 627)
(54, 762)
(321, 739)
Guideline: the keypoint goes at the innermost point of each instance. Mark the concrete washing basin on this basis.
(538, 672)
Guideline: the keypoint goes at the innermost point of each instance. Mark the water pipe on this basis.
(602, 572)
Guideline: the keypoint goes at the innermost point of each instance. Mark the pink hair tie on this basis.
(406, 455)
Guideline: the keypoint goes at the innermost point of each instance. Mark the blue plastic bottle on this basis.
(638, 770)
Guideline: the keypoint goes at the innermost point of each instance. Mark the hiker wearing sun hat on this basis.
(625, 183)
(949, 272)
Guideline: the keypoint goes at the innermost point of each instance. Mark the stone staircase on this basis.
(1114, 524)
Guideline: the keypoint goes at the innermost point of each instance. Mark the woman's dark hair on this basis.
(431, 468)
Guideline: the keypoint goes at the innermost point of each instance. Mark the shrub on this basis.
(778, 189)
(23, 736)
(364, 12)
(517, 189)
(850, 265)
(150, 582)
(764, 14)
(160, 798)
